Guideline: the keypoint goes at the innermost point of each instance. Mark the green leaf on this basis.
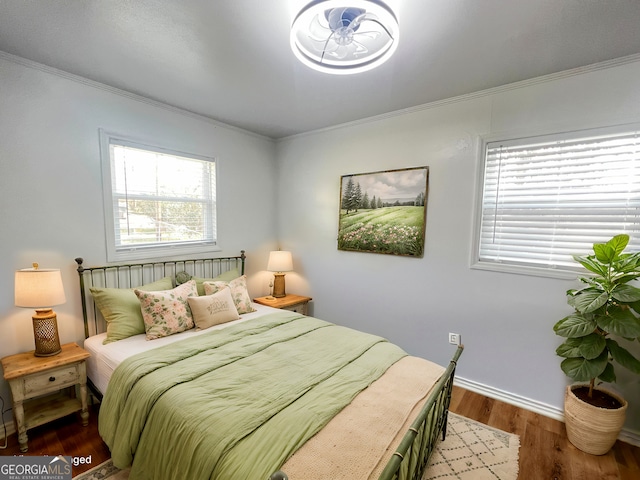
(583, 370)
(633, 258)
(575, 325)
(626, 294)
(593, 282)
(626, 278)
(621, 322)
(618, 243)
(591, 264)
(592, 346)
(628, 262)
(609, 374)
(605, 253)
(635, 306)
(623, 356)
(589, 300)
(569, 349)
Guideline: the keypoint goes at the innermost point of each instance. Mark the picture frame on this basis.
(384, 212)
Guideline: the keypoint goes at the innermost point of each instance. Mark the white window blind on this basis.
(547, 198)
(157, 200)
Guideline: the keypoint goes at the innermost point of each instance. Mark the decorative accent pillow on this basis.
(182, 277)
(121, 309)
(167, 312)
(239, 292)
(210, 310)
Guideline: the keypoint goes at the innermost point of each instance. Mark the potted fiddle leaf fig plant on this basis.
(606, 310)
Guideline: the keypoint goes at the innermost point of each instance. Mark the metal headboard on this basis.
(136, 274)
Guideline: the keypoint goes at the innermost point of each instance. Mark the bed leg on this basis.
(279, 476)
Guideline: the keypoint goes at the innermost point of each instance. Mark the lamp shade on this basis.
(37, 288)
(280, 261)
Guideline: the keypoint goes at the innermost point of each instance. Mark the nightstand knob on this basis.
(52, 379)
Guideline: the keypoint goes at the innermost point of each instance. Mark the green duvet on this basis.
(235, 403)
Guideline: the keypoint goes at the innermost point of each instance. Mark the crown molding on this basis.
(616, 62)
(124, 93)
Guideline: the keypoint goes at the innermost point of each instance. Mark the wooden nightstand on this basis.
(295, 303)
(43, 388)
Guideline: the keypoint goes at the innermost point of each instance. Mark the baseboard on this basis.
(627, 435)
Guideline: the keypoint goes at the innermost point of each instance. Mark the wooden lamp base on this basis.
(278, 285)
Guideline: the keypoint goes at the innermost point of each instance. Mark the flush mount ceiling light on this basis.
(344, 36)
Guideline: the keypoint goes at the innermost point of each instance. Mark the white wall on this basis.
(505, 320)
(51, 191)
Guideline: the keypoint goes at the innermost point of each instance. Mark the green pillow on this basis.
(223, 277)
(121, 308)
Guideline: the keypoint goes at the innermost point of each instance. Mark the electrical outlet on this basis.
(454, 339)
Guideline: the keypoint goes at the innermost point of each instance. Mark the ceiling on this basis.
(230, 60)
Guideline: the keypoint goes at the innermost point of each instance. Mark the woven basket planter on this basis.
(592, 429)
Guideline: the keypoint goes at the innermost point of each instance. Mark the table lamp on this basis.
(279, 262)
(41, 289)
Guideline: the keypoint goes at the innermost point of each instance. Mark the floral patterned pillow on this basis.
(239, 292)
(166, 312)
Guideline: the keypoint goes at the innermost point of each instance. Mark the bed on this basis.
(265, 394)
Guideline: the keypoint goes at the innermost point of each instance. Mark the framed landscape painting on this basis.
(384, 212)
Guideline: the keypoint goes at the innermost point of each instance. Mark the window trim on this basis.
(118, 254)
(549, 272)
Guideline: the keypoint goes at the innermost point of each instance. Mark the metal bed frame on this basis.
(136, 274)
(412, 455)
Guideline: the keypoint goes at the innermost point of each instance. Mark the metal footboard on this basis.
(412, 455)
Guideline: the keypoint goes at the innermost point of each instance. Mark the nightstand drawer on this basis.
(301, 308)
(51, 380)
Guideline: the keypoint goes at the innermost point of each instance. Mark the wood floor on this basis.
(65, 436)
(545, 452)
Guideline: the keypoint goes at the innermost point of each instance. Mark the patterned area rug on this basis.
(471, 451)
(102, 471)
(474, 451)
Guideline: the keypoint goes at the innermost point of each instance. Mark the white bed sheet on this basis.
(105, 358)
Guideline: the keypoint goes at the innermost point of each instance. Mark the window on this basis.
(157, 201)
(549, 197)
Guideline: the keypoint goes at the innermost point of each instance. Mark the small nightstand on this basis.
(295, 303)
(43, 388)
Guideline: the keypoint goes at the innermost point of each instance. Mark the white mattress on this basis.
(105, 358)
